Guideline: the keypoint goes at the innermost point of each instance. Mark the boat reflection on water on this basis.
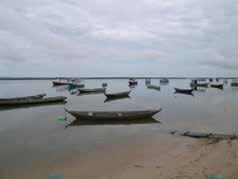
(78, 122)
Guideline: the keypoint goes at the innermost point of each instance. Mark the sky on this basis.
(118, 38)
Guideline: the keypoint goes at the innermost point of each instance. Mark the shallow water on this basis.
(36, 136)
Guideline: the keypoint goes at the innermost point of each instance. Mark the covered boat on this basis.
(92, 90)
(23, 98)
(187, 91)
(113, 115)
(117, 95)
(33, 101)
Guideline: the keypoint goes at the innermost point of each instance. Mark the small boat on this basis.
(117, 95)
(60, 83)
(93, 90)
(164, 81)
(24, 98)
(104, 85)
(186, 91)
(113, 115)
(132, 82)
(75, 85)
(195, 83)
(220, 86)
(117, 98)
(33, 101)
(210, 80)
(153, 87)
(234, 83)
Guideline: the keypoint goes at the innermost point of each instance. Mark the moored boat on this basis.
(199, 83)
(153, 87)
(234, 83)
(220, 86)
(23, 98)
(187, 91)
(113, 115)
(132, 82)
(75, 85)
(60, 83)
(117, 95)
(93, 90)
(33, 101)
(164, 80)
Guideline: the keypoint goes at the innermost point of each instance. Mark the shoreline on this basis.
(165, 157)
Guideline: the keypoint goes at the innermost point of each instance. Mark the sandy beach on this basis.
(166, 157)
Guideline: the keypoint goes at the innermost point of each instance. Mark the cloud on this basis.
(181, 34)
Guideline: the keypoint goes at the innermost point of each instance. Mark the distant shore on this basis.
(113, 78)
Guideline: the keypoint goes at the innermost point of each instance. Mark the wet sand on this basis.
(163, 157)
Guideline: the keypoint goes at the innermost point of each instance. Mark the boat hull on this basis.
(116, 115)
(220, 86)
(117, 95)
(23, 98)
(57, 83)
(33, 101)
(96, 90)
(187, 91)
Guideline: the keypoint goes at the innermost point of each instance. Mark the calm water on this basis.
(31, 136)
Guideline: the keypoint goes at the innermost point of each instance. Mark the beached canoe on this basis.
(117, 95)
(153, 87)
(33, 101)
(220, 86)
(93, 90)
(113, 115)
(23, 98)
(187, 91)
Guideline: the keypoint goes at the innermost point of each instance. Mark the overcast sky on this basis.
(118, 38)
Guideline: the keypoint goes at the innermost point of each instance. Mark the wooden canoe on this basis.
(23, 98)
(220, 86)
(59, 83)
(93, 90)
(113, 115)
(187, 91)
(117, 95)
(153, 87)
(33, 101)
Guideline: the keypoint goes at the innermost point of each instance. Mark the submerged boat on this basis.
(93, 90)
(153, 87)
(187, 91)
(33, 101)
(113, 115)
(132, 82)
(23, 98)
(117, 95)
(220, 86)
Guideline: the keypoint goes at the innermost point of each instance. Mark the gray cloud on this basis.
(83, 34)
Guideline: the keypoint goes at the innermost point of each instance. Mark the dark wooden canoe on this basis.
(59, 83)
(113, 115)
(33, 101)
(220, 86)
(153, 87)
(117, 95)
(187, 91)
(117, 98)
(93, 90)
(24, 98)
